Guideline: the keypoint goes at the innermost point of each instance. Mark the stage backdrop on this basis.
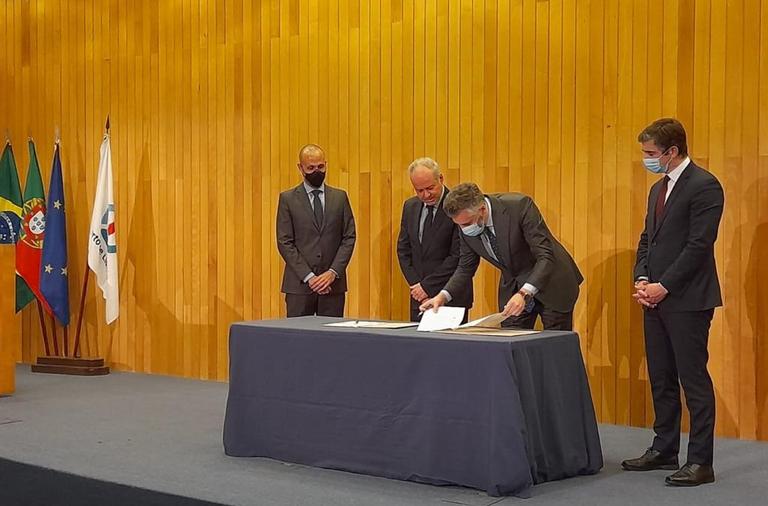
(211, 100)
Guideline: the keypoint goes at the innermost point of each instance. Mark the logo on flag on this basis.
(33, 227)
(11, 201)
(108, 229)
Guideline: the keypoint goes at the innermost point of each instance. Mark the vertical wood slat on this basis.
(541, 97)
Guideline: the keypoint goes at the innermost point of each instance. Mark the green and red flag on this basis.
(29, 248)
(11, 203)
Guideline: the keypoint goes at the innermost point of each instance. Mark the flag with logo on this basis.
(54, 279)
(102, 244)
(11, 203)
(10, 197)
(29, 247)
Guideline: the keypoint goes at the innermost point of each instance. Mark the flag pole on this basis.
(76, 351)
(42, 327)
(55, 337)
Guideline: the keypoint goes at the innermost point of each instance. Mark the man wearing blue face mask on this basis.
(676, 283)
(538, 276)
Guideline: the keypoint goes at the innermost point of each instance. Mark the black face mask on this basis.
(315, 179)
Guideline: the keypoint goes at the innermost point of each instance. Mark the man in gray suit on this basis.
(428, 244)
(538, 276)
(315, 237)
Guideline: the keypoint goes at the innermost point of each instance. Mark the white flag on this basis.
(102, 244)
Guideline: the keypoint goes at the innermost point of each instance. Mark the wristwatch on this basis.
(526, 295)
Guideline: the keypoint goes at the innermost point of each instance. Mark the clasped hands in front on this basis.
(649, 294)
(321, 283)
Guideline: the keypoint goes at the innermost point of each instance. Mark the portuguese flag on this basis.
(29, 248)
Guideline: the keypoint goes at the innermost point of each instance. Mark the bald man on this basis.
(315, 237)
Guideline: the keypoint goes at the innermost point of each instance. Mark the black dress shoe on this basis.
(651, 460)
(692, 475)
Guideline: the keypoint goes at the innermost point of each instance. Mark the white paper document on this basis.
(491, 321)
(356, 324)
(446, 318)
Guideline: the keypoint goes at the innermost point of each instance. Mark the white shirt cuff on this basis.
(448, 296)
(530, 289)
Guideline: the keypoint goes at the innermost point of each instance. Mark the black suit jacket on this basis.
(679, 251)
(307, 248)
(434, 263)
(529, 252)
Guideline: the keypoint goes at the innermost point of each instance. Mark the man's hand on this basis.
(418, 293)
(642, 299)
(320, 283)
(655, 293)
(325, 292)
(641, 294)
(434, 303)
(515, 305)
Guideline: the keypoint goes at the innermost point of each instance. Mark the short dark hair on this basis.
(665, 133)
(462, 197)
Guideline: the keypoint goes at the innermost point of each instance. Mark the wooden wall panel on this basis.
(210, 101)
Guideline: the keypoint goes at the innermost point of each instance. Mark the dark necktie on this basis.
(661, 199)
(318, 207)
(494, 244)
(426, 234)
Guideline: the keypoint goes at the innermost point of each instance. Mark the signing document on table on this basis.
(448, 319)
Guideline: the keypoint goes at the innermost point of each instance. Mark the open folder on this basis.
(448, 319)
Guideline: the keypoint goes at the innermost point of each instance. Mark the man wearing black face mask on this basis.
(315, 237)
(676, 283)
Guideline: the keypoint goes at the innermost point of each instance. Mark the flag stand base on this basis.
(71, 366)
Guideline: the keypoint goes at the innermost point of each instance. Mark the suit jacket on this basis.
(529, 252)
(679, 251)
(432, 264)
(307, 248)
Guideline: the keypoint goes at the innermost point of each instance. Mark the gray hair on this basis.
(463, 197)
(427, 163)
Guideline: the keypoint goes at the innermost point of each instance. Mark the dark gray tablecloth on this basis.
(493, 413)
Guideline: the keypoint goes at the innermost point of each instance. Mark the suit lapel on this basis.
(501, 225)
(413, 225)
(655, 189)
(303, 198)
(679, 185)
(328, 208)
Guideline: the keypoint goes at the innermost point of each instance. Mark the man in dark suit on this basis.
(538, 276)
(676, 283)
(315, 237)
(428, 244)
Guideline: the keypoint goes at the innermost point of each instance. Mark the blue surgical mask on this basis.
(654, 164)
(473, 230)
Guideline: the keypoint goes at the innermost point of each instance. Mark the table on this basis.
(498, 414)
